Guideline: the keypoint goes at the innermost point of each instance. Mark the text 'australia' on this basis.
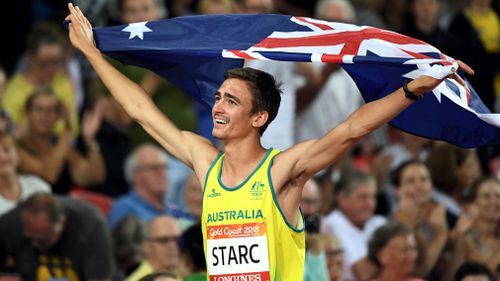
(234, 215)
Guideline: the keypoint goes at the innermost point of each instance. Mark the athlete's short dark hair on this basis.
(266, 91)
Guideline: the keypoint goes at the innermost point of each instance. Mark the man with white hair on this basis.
(354, 221)
(146, 172)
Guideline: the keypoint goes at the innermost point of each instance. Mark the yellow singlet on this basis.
(245, 234)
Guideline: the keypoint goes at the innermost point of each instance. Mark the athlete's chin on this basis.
(217, 134)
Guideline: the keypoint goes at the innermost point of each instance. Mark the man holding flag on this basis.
(252, 224)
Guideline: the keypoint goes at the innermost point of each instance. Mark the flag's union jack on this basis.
(193, 52)
(333, 42)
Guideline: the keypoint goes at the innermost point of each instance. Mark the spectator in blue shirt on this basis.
(146, 172)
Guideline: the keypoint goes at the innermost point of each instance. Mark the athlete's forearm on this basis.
(139, 105)
(130, 95)
(324, 151)
(377, 113)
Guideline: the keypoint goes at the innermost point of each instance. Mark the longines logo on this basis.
(213, 193)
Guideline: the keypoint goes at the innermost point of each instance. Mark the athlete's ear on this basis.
(260, 118)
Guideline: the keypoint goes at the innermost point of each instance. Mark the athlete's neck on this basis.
(240, 161)
(242, 152)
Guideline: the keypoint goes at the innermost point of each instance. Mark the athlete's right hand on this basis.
(80, 31)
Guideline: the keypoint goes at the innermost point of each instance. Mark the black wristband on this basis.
(409, 94)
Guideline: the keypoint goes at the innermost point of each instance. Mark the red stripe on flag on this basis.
(318, 25)
(422, 56)
(416, 55)
(241, 54)
(467, 94)
(445, 60)
(332, 58)
(351, 40)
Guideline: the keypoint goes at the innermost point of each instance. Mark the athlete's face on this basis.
(232, 110)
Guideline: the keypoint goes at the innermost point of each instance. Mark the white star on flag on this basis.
(137, 29)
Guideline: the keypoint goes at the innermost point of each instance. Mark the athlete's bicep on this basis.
(185, 146)
(318, 154)
(305, 159)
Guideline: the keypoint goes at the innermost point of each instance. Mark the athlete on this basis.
(252, 225)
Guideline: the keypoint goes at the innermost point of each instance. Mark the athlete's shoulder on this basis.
(284, 165)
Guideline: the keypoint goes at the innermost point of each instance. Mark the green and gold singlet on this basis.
(246, 236)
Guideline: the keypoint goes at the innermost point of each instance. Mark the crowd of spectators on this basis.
(86, 194)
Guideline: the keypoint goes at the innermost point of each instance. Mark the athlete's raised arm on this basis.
(310, 157)
(183, 145)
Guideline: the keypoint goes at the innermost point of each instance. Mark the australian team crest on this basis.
(257, 190)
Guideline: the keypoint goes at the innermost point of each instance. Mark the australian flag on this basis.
(194, 52)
